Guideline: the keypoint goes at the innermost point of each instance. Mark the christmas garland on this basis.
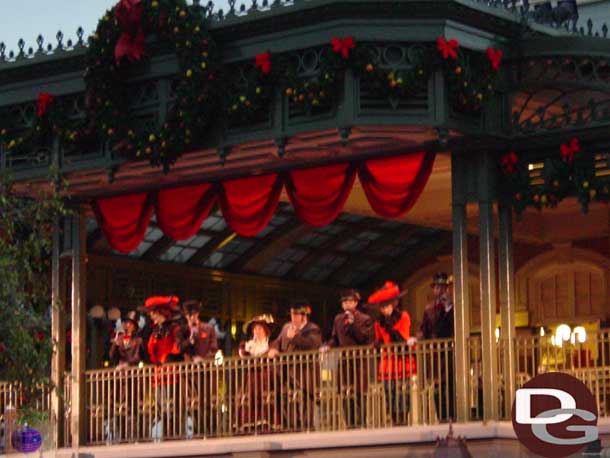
(571, 173)
(471, 76)
(119, 40)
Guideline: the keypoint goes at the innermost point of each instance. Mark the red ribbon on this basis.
(509, 161)
(495, 58)
(44, 101)
(569, 150)
(263, 62)
(131, 42)
(343, 45)
(447, 48)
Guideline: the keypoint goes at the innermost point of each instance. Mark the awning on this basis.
(318, 194)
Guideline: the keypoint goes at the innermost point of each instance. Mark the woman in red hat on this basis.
(164, 342)
(396, 365)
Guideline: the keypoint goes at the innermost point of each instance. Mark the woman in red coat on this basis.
(397, 364)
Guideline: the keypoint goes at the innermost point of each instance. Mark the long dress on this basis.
(255, 409)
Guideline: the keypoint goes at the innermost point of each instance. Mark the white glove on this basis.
(411, 341)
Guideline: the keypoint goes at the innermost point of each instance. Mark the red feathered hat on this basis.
(389, 293)
(162, 303)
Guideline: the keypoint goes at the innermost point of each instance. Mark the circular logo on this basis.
(555, 415)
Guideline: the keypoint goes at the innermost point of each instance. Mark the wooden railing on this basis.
(334, 390)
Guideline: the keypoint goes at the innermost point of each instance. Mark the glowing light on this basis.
(563, 332)
(497, 333)
(141, 364)
(541, 331)
(580, 333)
(219, 358)
(106, 364)
(530, 166)
(233, 330)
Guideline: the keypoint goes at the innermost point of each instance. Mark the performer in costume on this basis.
(438, 324)
(256, 409)
(353, 328)
(199, 340)
(301, 374)
(127, 344)
(397, 365)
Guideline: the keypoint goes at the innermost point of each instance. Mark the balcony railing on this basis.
(360, 387)
(324, 391)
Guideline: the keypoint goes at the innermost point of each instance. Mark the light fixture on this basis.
(97, 311)
(580, 334)
(233, 330)
(497, 333)
(541, 331)
(563, 332)
(114, 314)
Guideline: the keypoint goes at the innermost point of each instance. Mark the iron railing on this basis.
(361, 387)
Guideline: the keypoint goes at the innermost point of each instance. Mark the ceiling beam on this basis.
(408, 262)
(206, 250)
(265, 243)
(158, 248)
(387, 238)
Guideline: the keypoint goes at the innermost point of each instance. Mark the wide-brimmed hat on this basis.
(350, 294)
(300, 306)
(389, 293)
(265, 320)
(191, 307)
(132, 316)
(166, 304)
(442, 279)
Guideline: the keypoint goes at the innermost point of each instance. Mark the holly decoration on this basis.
(118, 42)
(473, 77)
(570, 173)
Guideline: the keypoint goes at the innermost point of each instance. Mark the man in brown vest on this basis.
(297, 379)
(356, 367)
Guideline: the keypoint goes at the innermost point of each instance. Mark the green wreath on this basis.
(119, 40)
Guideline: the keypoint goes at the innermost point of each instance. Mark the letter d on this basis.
(523, 405)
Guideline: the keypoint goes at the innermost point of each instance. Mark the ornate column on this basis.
(488, 288)
(58, 336)
(79, 328)
(461, 294)
(507, 303)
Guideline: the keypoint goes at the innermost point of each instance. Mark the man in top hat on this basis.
(166, 336)
(127, 345)
(352, 327)
(397, 364)
(199, 341)
(438, 315)
(299, 334)
(438, 324)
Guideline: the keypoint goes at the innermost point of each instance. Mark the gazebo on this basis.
(288, 148)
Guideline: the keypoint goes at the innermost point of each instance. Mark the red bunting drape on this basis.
(124, 219)
(392, 186)
(181, 211)
(319, 194)
(248, 204)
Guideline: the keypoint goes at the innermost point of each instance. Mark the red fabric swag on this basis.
(181, 211)
(319, 194)
(393, 184)
(248, 204)
(124, 219)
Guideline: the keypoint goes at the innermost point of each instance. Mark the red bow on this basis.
(263, 62)
(448, 48)
(131, 42)
(44, 100)
(568, 151)
(509, 161)
(344, 46)
(495, 58)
